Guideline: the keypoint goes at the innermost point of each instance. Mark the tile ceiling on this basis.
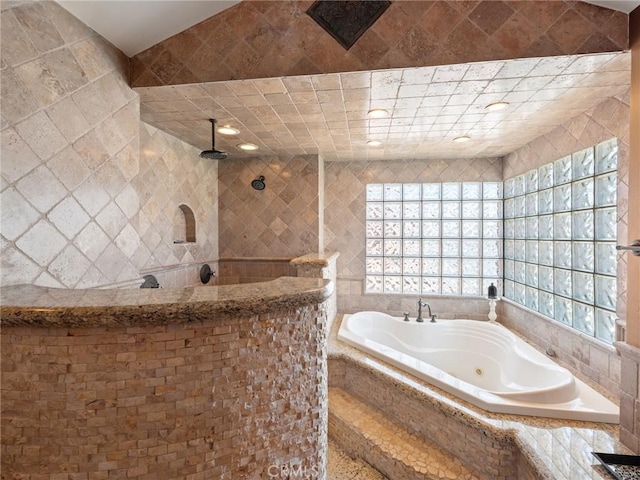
(428, 107)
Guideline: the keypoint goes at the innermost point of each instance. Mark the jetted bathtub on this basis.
(480, 362)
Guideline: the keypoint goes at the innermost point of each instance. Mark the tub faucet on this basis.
(424, 304)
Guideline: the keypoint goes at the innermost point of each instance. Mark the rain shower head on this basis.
(213, 154)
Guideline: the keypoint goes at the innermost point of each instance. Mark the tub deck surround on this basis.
(550, 449)
(30, 305)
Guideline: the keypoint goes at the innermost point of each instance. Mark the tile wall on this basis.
(277, 38)
(280, 221)
(344, 229)
(90, 196)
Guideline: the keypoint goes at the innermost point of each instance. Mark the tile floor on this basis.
(343, 467)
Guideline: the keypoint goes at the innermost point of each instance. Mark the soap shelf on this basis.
(622, 467)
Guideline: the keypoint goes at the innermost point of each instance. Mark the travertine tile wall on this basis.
(280, 221)
(344, 229)
(173, 174)
(630, 396)
(219, 398)
(258, 39)
(234, 271)
(81, 205)
(609, 119)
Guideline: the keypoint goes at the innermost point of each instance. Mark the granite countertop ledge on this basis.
(31, 305)
(319, 260)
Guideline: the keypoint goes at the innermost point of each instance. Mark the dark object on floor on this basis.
(622, 467)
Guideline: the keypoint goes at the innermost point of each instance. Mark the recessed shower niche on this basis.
(184, 225)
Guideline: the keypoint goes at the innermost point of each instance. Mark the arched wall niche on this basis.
(184, 226)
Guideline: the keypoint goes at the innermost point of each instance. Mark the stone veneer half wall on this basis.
(344, 230)
(259, 39)
(226, 398)
(90, 195)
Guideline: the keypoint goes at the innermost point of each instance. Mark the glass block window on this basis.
(434, 238)
(560, 240)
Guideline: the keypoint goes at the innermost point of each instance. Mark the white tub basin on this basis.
(480, 362)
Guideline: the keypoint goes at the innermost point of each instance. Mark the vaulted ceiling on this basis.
(268, 70)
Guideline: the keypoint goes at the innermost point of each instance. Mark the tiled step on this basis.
(363, 432)
(340, 466)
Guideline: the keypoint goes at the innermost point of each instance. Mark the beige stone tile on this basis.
(39, 77)
(16, 213)
(17, 158)
(66, 70)
(69, 168)
(69, 266)
(112, 220)
(111, 262)
(89, 56)
(17, 268)
(68, 217)
(128, 241)
(17, 100)
(128, 201)
(31, 187)
(91, 196)
(70, 28)
(16, 45)
(67, 118)
(42, 252)
(41, 135)
(38, 27)
(127, 160)
(97, 100)
(110, 135)
(46, 280)
(91, 241)
(90, 149)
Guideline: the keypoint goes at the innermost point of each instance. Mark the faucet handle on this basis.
(433, 318)
(406, 316)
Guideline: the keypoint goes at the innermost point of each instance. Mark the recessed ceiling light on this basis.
(248, 146)
(377, 113)
(462, 139)
(494, 107)
(227, 130)
(374, 143)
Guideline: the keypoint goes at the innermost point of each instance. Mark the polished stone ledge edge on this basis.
(319, 260)
(30, 305)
